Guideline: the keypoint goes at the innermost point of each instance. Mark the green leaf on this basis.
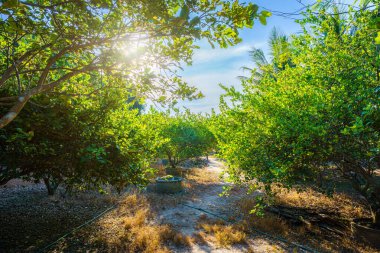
(195, 21)
(377, 39)
(184, 12)
(10, 4)
(263, 20)
(266, 14)
(263, 17)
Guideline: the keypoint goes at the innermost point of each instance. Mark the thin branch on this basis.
(5, 76)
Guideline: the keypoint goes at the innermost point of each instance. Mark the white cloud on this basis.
(208, 84)
(207, 55)
(214, 66)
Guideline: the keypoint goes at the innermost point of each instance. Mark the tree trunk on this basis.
(376, 217)
(24, 98)
(366, 185)
(374, 202)
(51, 186)
(172, 163)
(325, 219)
(171, 160)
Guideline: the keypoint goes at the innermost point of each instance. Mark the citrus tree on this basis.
(321, 110)
(56, 46)
(187, 136)
(80, 142)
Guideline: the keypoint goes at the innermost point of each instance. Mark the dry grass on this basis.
(341, 203)
(159, 201)
(307, 233)
(229, 235)
(268, 223)
(202, 176)
(131, 228)
(199, 238)
(223, 234)
(181, 240)
(272, 224)
(199, 181)
(148, 238)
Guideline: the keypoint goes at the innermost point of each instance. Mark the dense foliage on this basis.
(187, 136)
(76, 74)
(80, 142)
(71, 46)
(312, 107)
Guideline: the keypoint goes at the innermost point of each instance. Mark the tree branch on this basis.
(7, 73)
(24, 98)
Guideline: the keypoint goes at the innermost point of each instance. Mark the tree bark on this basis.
(51, 186)
(14, 111)
(171, 160)
(329, 220)
(376, 217)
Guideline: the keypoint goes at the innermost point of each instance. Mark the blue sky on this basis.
(213, 66)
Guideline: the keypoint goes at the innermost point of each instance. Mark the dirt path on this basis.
(184, 216)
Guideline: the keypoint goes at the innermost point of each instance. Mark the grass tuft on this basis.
(341, 203)
(224, 235)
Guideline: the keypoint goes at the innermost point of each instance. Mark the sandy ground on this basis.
(184, 218)
(29, 218)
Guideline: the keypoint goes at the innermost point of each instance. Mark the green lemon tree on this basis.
(320, 111)
(47, 46)
(187, 136)
(80, 142)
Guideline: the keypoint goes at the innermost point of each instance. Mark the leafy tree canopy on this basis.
(80, 47)
(187, 135)
(80, 142)
(320, 109)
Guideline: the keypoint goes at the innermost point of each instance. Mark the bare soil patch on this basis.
(29, 219)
